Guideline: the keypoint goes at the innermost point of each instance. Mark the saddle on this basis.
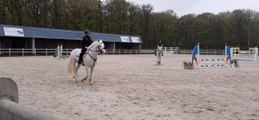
(78, 55)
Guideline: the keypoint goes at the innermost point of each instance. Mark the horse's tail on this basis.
(70, 64)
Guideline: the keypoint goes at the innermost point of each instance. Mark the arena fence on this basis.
(66, 52)
(9, 107)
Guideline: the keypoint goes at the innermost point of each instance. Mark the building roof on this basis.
(48, 33)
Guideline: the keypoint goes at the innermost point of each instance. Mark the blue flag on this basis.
(195, 52)
(229, 54)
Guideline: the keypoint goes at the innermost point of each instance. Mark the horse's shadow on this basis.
(77, 85)
(80, 83)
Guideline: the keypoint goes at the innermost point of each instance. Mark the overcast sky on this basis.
(183, 7)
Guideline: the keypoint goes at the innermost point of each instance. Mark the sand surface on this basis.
(133, 87)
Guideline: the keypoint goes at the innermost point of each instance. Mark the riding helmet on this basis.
(87, 31)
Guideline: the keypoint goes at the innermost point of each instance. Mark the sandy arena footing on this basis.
(133, 87)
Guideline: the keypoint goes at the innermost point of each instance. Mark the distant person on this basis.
(87, 40)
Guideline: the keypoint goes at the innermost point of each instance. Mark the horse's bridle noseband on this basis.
(100, 50)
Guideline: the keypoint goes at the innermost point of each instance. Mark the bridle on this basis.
(97, 50)
(100, 49)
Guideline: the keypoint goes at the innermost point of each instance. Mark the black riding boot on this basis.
(83, 50)
(80, 60)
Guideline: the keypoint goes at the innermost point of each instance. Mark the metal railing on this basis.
(26, 52)
(51, 52)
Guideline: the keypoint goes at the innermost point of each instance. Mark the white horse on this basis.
(89, 60)
(159, 53)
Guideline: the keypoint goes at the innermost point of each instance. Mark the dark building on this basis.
(42, 38)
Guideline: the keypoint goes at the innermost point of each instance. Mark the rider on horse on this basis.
(87, 40)
(160, 46)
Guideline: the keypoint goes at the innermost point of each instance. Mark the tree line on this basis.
(236, 28)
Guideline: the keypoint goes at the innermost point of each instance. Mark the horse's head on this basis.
(101, 47)
(97, 46)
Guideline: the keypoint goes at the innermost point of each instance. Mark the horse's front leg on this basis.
(75, 71)
(91, 74)
(162, 53)
(158, 59)
(87, 73)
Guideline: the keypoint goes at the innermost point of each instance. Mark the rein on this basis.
(92, 57)
(99, 50)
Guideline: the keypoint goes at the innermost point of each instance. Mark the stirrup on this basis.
(79, 62)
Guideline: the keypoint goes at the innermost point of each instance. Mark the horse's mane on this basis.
(94, 43)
